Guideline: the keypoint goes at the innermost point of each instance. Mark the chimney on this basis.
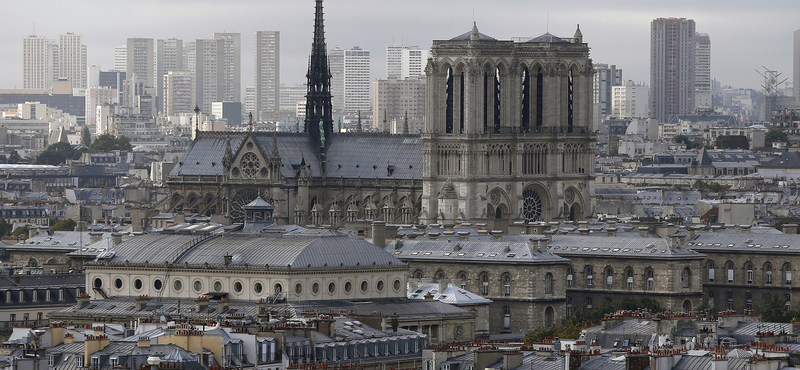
(716, 228)
(33, 231)
(512, 359)
(227, 259)
(223, 305)
(95, 236)
(745, 228)
(463, 235)
(790, 228)
(612, 231)
(144, 342)
(583, 231)
(379, 233)
(141, 302)
(553, 225)
(693, 230)
(83, 300)
(497, 235)
(117, 238)
(483, 232)
(718, 362)
(69, 338)
(644, 231)
(201, 303)
(433, 236)
(428, 297)
(395, 322)
(179, 218)
(538, 244)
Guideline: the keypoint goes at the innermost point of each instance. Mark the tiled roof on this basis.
(451, 295)
(753, 242)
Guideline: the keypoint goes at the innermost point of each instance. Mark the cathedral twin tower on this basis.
(508, 133)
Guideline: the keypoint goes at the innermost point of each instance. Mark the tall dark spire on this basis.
(318, 99)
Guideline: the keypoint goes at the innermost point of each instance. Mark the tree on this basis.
(86, 136)
(775, 135)
(107, 143)
(681, 139)
(733, 142)
(55, 154)
(4, 227)
(66, 224)
(21, 231)
(14, 157)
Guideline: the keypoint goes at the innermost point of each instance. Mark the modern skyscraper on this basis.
(168, 57)
(672, 67)
(630, 100)
(405, 61)
(350, 81)
(395, 99)
(290, 95)
(231, 66)
(121, 58)
(208, 57)
(189, 55)
(702, 71)
(267, 71)
(796, 66)
(72, 59)
(140, 61)
(605, 77)
(249, 99)
(39, 62)
(179, 93)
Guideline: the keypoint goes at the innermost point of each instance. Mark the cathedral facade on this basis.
(507, 138)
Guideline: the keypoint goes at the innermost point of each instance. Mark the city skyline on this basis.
(737, 50)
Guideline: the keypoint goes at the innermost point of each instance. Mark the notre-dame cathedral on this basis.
(507, 138)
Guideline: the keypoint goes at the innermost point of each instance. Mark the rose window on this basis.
(531, 206)
(250, 165)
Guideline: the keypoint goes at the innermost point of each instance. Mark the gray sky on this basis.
(744, 34)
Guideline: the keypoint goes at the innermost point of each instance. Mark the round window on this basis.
(298, 288)
(238, 287)
(137, 284)
(347, 287)
(177, 285)
(118, 283)
(315, 288)
(157, 284)
(364, 286)
(217, 286)
(332, 288)
(397, 285)
(198, 285)
(278, 288)
(258, 288)
(98, 283)
(380, 285)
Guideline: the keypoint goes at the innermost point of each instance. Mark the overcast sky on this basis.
(745, 35)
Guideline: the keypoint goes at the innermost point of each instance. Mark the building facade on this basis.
(395, 99)
(267, 71)
(702, 71)
(168, 57)
(672, 67)
(179, 93)
(350, 79)
(630, 100)
(604, 80)
(39, 62)
(230, 66)
(72, 59)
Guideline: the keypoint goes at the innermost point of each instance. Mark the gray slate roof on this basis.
(566, 245)
(333, 249)
(460, 250)
(351, 155)
(753, 242)
(452, 294)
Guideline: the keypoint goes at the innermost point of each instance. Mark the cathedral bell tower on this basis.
(508, 130)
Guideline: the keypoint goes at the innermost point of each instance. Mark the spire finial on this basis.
(405, 124)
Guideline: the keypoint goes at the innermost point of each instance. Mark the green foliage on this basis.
(681, 139)
(776, 310)
(14, 157)
(107, 143)
(715, 186)
(582, 318)
(5, 228)
(733, 142)
(55, 154)
(21, 231)
(774, 135)
(86, 136)
(66, 224)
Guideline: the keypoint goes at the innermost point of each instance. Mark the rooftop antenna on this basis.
(34, 29)
(548, 22)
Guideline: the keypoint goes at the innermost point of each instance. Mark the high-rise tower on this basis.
(318, 98)
(672, 67)
(267, 71)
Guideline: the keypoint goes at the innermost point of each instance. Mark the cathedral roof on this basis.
(295, 251)
(258, 203)
(547, 37)
(473, 34)
(350, 155)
